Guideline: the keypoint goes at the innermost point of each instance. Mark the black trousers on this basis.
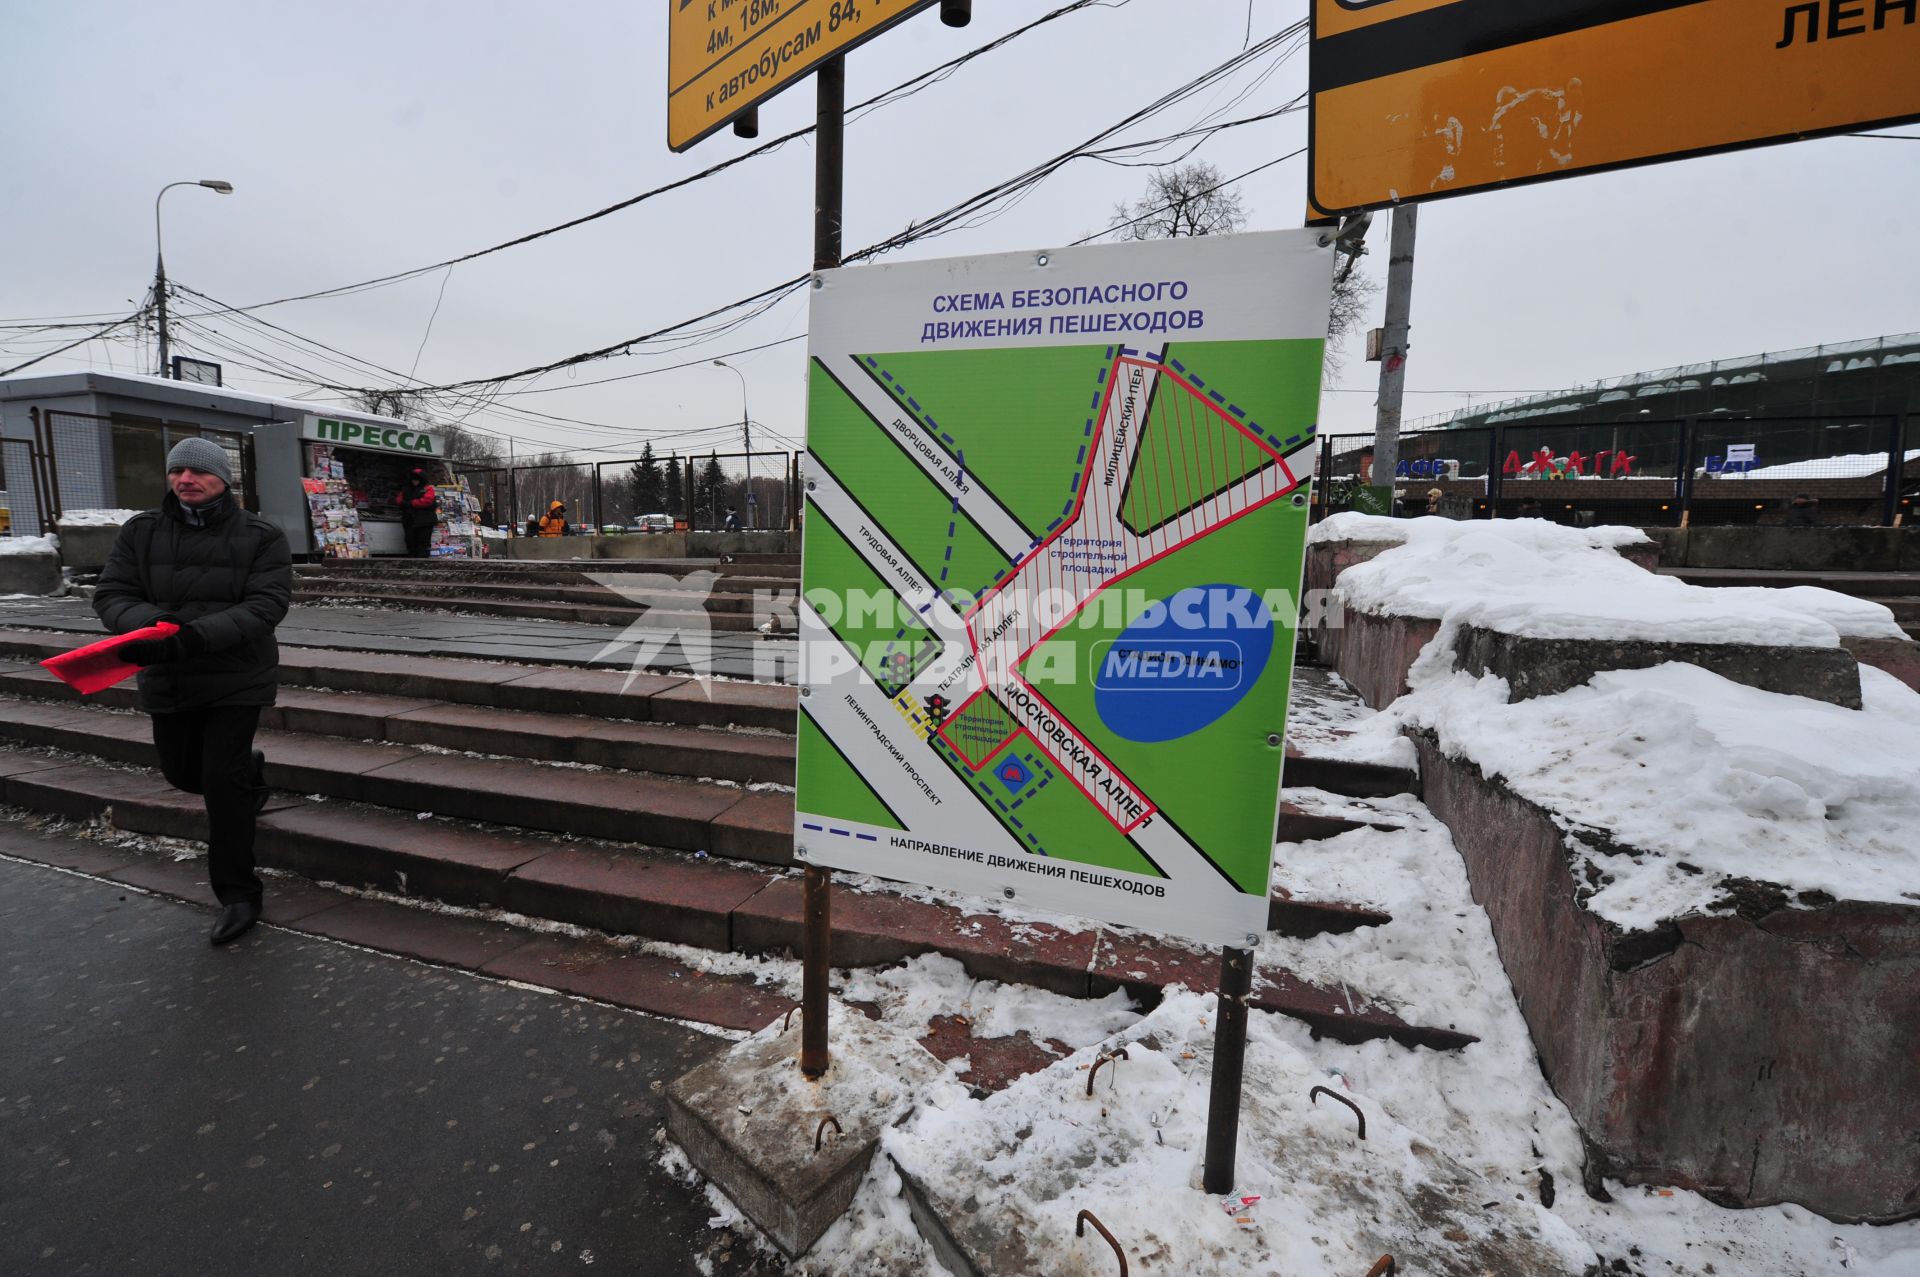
(419, 541)
(210, 752)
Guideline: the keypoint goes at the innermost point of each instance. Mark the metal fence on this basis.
(78, 461)
(1862, 470)
(702, 492)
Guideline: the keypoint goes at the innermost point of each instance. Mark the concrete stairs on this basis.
(1898, 591)
(570, 795)
(743, 598)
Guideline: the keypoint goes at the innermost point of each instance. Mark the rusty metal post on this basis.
(830, 83)
(816, 913)
(1229, 1068)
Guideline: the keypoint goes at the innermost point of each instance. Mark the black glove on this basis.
(181, 646)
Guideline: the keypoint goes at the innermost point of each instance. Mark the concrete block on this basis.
(1758, 1056)
(33, 573)
(1544, 667)
(1898, 657)
(84, 547)
(748, 1120)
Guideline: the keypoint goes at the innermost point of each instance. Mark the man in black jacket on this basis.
(225, 577)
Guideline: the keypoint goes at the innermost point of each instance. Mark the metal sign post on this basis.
(1229, 1068)
(829, 156)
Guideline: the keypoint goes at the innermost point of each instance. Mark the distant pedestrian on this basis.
(1530, 509)
(419, 512)
(733, 519)
(554, 522)
(486, 516)
(1803, 511)
(225, 577)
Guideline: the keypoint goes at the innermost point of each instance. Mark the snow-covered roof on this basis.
(1845, 356)
(164, 389)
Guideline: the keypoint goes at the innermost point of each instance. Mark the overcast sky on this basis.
(370, 138)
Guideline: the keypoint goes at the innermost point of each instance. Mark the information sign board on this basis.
(727, 56)
(1056, 508)
(1417, 99)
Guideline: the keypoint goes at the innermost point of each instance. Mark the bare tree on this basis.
(1352, 298)
(1191, 199)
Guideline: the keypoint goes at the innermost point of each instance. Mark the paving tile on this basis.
(357, 715)
(394, 675)
(80, 791)
(123, 738)
(324, 765)
(873, 929)
(593, 804)
(757, 827)
(431, 937)
(61, 850)
(566, 738)
(1145, 966)
(606, 693)
(994, 1063)
(656, 896)
(723, 704)
(394, 851)
(180, 879)
(643, 982)
(18, 762)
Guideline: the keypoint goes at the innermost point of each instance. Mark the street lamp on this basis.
(160, 260)
(746, 440)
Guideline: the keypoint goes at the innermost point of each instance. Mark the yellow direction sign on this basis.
(1417, 99)
(724, 56)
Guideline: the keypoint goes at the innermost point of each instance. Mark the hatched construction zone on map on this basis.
(1047, 629)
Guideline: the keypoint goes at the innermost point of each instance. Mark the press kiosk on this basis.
(345, 474)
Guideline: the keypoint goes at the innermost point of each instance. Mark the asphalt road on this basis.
(289, 1105)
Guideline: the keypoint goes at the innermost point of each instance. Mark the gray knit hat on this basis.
(201, 454)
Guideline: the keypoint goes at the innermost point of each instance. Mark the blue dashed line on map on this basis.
(1095, 405)
(1237, 411)
(1128, 350)
(1216, 396)
(1196, 381)
(912, 403)
(1177, 365)
(818, 829)
(1081, 456)
(866, 838)
(1101, 380)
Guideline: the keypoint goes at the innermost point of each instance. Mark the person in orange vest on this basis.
(554, 522)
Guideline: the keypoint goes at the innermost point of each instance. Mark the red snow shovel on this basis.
(98, 666)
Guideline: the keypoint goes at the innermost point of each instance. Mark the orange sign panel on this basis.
(727, 56)
(1418, 99)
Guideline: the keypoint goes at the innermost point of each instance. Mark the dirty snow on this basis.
(96, 518)
(1538, 579)
(30, 545)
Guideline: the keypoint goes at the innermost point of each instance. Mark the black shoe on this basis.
(234, 921)
(261, 794)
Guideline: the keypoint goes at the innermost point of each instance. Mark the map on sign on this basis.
(1054, 530)
(727, 56)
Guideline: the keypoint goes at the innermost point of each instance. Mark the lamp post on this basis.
(746, 440)
(160, 260)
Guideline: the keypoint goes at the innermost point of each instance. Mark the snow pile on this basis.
(1536, 579)
(96, 518)
(1853, 465)
(1309, 1196)
(30, 545)
(1702, 778)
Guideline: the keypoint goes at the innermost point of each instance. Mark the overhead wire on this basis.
(898, 92)
(971, 211)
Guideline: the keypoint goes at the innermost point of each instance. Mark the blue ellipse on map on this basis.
(1183, 663)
